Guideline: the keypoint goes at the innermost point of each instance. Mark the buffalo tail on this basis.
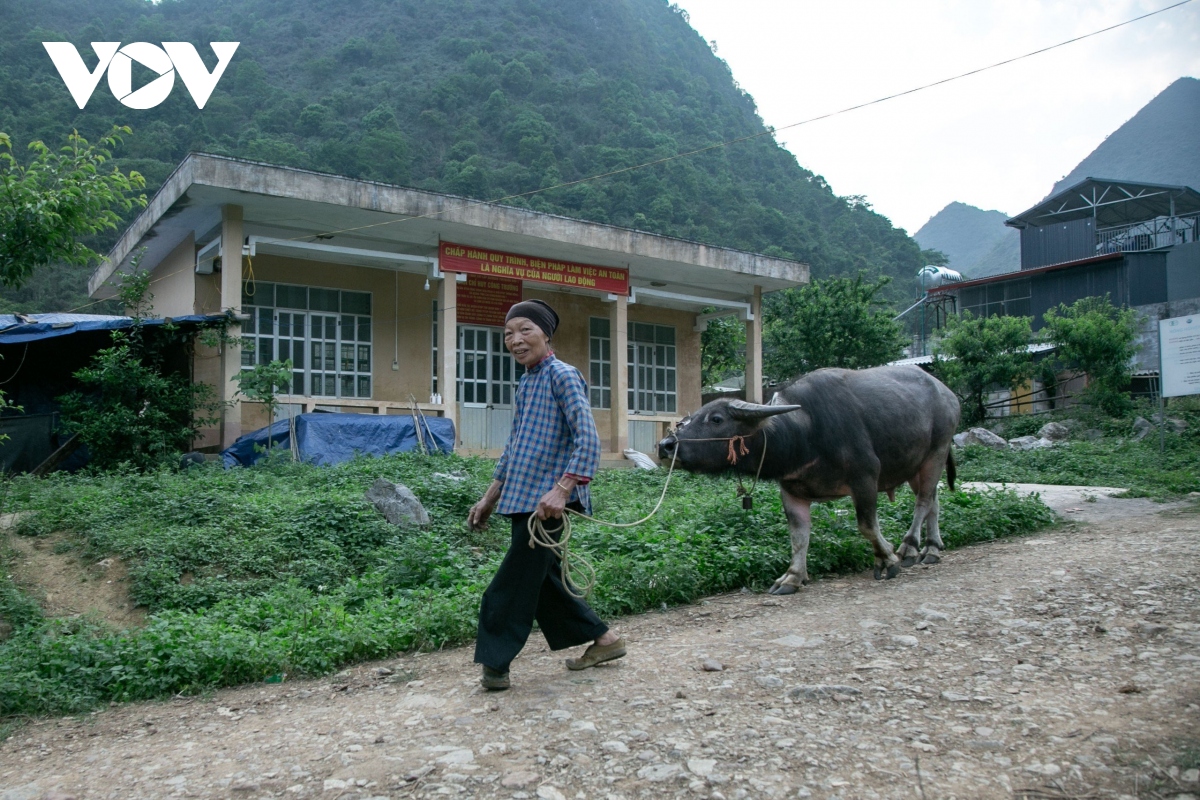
(951, 471)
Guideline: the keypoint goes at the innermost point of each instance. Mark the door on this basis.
(487, 377)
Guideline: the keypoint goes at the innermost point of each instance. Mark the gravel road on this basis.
(1058, 665)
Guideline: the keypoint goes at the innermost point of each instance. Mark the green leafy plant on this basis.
(831, 322)
(1096, 338)
(50, 204)
(973, 354)
(133, 410)
(264, 382)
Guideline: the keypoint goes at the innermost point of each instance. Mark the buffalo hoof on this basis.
(878, 574)
(930, 558)
(783, 588)
(909, 561)
(893, 571)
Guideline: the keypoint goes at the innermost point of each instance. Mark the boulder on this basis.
(982, 436)
(1029, 443)
(1054, 431)
(397, 503)
(1141, 427)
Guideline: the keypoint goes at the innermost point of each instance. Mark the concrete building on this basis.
(376, 291)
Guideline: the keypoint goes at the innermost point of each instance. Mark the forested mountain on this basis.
(1159, 144)
(484, 99)
(976, 241)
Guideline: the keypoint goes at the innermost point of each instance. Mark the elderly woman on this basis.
(550, 457)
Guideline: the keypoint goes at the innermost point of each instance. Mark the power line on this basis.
(767, 132)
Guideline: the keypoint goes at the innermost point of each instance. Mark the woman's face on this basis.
(528, 343)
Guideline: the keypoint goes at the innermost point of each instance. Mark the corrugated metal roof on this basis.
(21, 328)
(1037, 347)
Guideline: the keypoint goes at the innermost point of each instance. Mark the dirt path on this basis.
(1061, 665)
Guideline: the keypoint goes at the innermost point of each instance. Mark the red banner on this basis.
(477, 261)
(485, 300)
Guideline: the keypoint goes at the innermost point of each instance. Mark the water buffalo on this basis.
(832, 433)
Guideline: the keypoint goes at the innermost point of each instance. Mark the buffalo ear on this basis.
(747, 412)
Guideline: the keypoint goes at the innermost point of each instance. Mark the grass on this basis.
(285, 568)
(1114, 460)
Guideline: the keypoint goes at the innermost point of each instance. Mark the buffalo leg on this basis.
(799, 517)
(924, 486)
(865, 503)
(933, 537)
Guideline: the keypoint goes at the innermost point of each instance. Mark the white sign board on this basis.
(1179, 354)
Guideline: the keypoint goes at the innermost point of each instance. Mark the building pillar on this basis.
(448, 348)
(618, 337)
(231, 301)
(754, 349)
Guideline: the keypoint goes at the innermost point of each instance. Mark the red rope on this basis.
(742, 449)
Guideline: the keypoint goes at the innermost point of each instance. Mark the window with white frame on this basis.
(325, 332)
(652, 369)
(600, 362)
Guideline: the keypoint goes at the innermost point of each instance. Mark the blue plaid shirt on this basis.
(553, 434)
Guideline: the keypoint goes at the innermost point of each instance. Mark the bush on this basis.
(1094, 337)
(973, 354)
(293, 571)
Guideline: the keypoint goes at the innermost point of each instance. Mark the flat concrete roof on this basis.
(289, 203)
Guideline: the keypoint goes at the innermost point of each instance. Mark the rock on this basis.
(383, 672)
(397, 503)
(712, 665)
(614, 747)
(1029, 443)
(516, 780)
(1092, 434)
(245, 786)
(769, 681)
(984, 438)
(1049, 770)
(930, 615)
(1054, 431)
(656, 773)
(463, 756)
(1190, 776)
(952, 697)
(905, 641)
(583, 726)
(812, 691)
(702, 767)
(334, 784)
(1141, 427)
(548, 792)
(960, 439)
(559, 715)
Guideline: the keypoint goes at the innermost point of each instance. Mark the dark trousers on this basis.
(527, 587)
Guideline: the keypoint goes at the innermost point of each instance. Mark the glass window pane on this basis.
(594, 350)
(247, 357)
(347, 386)
(291, 296)
(317, 327)
(606, 350)
(347, 358)
(356, 303)
(323, 300)
(249, 325)
(330, 355)
(364, 329)
(664, 334)
(606, 375)
(331, 328)
(364, 358)
(468, 390)
(468, 337)
(285, 349)
(298, 354)
(347, 329)
(265, 350)
(364, 386)
(297, 383)
(285, 324)
(266, 320)
(316, 356)
(643, 332)
(670, 380)
(599, 327)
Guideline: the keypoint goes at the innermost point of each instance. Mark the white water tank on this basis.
(931, 277)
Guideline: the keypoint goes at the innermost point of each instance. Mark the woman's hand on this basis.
(554, 501)
(477, 517)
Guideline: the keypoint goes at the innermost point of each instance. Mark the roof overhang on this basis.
(1110, 202)
(1025, 273)
(361, 217)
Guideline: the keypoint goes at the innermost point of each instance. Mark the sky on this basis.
(998, 140)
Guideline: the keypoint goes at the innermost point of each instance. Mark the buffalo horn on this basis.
(741, 410)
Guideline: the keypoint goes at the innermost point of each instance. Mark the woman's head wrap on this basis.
(540, 313)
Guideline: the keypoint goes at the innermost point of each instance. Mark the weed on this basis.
(289, 569)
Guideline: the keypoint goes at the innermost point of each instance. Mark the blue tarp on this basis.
(35, 327)
(333, 438)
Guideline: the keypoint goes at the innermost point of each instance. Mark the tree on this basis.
(831, 322)
(134, 411)
(263, 383)
(1097, 338)
(47, 206)
(722, 349)
(973, 354)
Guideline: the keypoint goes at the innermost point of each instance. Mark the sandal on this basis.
(494, 680)
(598, 654)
